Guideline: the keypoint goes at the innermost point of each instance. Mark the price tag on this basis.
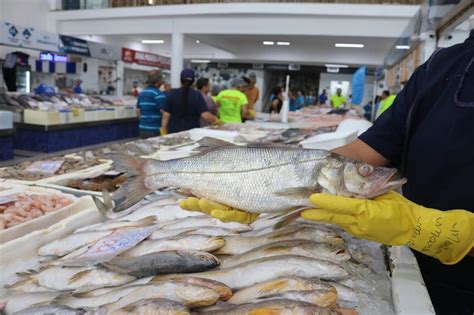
(48, 167)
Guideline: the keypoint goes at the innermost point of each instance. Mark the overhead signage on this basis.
(28, 37)
(144, 58)
(52, 57)
(104, 51)
(73, 45)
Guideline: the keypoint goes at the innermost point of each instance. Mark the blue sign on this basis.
(358, 86)
(49, 56)
(73, 45)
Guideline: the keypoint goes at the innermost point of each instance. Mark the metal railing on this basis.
(101, 4)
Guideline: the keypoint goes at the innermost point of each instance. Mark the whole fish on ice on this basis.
(277, 179)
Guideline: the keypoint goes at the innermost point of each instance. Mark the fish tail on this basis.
(134, 189)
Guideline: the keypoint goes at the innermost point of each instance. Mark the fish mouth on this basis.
(391, 182)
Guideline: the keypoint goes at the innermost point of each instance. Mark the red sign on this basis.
(144, 58)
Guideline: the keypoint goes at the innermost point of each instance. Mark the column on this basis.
(120, 79)
(177, 42)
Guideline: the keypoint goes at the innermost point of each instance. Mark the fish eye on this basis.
(366, 170)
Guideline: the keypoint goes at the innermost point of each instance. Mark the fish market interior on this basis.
(236, 157)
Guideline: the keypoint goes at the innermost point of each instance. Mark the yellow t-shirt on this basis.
(338, 101)
(253, 95)
(230, 105)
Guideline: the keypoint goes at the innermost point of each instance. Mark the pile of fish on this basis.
(18, 208)
(69, 164)
(159, 259)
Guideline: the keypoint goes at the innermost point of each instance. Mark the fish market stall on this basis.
(155, 255)
(6, 135)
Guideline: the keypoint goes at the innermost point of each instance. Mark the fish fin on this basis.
(147, 221)
(27, 273)
(208, 143)
(129, 308)
(288, 218)
(301, 191)
(134, 189)
(267, 145)
(273, 286)
(78, 276)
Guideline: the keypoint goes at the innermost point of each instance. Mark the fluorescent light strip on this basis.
(200, 61)
(283, 43)
(268, 43)
(343, 45)
(336, 66)
(153, 41)
(402, 47)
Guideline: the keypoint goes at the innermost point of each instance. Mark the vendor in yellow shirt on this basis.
(338, 100)
(387, 100)
(232, 103)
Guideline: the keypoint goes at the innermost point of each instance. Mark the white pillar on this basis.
(120, 79)
(177, 42)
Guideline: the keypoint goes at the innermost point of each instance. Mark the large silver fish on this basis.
(255, 179)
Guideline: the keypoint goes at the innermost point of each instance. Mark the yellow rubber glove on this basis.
(392, 219)
(163, 131)
(218, 122)
(217, 210)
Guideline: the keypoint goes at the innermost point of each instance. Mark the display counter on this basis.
(51, 138)
(6, 144)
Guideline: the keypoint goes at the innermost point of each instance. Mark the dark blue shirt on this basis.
(323, 98)
(77, 89)
(184, 116)
(428, 133)
(150, 101)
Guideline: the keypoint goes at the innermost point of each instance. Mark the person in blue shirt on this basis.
(323, 98)
(150, 102)
(77, 86)
(300, 100)
(185, 106)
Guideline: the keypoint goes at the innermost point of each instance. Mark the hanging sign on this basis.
(104, 51)
(28, 37)
(144, 58)
(73, 45)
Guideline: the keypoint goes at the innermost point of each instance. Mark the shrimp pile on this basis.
(26, 207)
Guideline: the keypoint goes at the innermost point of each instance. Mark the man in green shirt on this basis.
(338, 100)
(386, 101)
(232, 103)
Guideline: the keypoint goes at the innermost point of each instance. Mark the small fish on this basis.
(153, 307)
(277, 286)
(201, 230)
(50, 309)
(177, 261)
(114, 225)
(323, 298)
(204, 221)
(187, 294)
(97, 292)
(70, 243)
(17, 301)
(80, 279)
(240, 244)
(274, 307)
(192, 242)
(27, 284)
(110, 246)
(278, 179)
(292, 247)
(264, 269)
(224, 291)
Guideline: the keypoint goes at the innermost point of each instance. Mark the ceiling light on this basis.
(336, 66)
(283, 43)
(402, 47)
(153, 41)
(200, 61)
(343, 45)
(151, 2)
(268, 43)
(197, 41)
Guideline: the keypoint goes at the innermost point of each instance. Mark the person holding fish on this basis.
(427, 133)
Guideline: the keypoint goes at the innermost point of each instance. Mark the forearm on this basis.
(360, 151)
(207, 116)
(165, 120)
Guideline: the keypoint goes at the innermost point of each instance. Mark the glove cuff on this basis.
(445, 235)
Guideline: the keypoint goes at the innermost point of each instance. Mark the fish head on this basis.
(363, 180)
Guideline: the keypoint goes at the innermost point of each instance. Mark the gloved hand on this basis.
(393, 220)
(218, 122)
(217, 210)
(163, 131)
(251, 114)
